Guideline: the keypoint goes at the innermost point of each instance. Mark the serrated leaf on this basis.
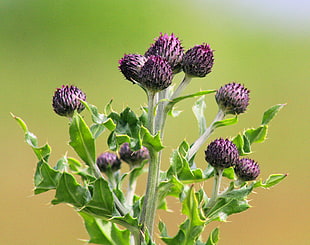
(257, 135)
(70, 191)
(271, 113)
(104, 232)
(101, 203)
(226, 122)
(171, 187)
(213, 237)
(46, 178)
(42, 152)
(199, 109)
(191, 210)
(81, 140)
(76, 167)
(272, 180)
(150, 141)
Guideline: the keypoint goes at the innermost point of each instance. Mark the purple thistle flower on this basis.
(233, 98)
(198, 61)
(156, 74)
(67, 99)
(130, 65)
(108, 162)
(133, 158)
(170, 48)
(221, 153)
(247, 169)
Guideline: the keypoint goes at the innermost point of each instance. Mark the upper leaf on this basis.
(271, 113)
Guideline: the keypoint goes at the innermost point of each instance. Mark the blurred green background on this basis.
(262, 44)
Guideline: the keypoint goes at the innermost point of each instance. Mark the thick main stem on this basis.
(147, 215)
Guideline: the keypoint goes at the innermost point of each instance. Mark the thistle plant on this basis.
(103, 192)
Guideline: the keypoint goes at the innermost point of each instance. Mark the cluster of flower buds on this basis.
(222, 153)
(165, 57)
(67, 99)
(109, 161)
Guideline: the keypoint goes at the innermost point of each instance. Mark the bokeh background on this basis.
(263, 44)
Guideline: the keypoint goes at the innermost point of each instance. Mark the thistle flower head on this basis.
(67, 99)
(133, 158)
(247, 169)
(156, 74)
(221, 153)
(198, 61)
(169, 47)
(108, 162)
(233, 98)
(130, 65)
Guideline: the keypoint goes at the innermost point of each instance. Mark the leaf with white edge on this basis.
(272, 180)
(271, 113)
(213, 237)
(150, 141)
(70, 191)
(199, 108)
(226, 122)
(46, 178)
(101, 203)
(98, 229)
(81, 140)
(191, 209)
(257, 135)
(76, 167)
(42, 152)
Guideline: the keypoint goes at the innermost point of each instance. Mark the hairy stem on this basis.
(201, 140)
(216, 185)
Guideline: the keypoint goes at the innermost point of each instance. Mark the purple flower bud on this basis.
(247, 169)
(233, 98)
(67, 99)
(108, 162)
(170, 48)
(198, 61)
(221, 153)
(156, 74)
(130, 65)
(133, 158)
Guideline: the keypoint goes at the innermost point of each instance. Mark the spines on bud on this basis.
(169, 47)
(198, 61)
(67, 99)
(130, 65)
(221, 153)
(233, 98)
(108, 162)
(156, 74)
(133, 158)
(247, 169)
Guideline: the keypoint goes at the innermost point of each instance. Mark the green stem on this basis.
(151, 107)
(201, 140)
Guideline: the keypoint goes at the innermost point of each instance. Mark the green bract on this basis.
(112, 212)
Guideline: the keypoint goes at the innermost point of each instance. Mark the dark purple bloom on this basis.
(67, 99)
(233, 98)
(156, 74)
(108, 162)
(247, 169)
(130, 65)
(133, 158)
(170, 48)
(221, 153)
(198, 61)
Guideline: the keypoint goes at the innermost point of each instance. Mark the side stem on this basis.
(200, 141)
